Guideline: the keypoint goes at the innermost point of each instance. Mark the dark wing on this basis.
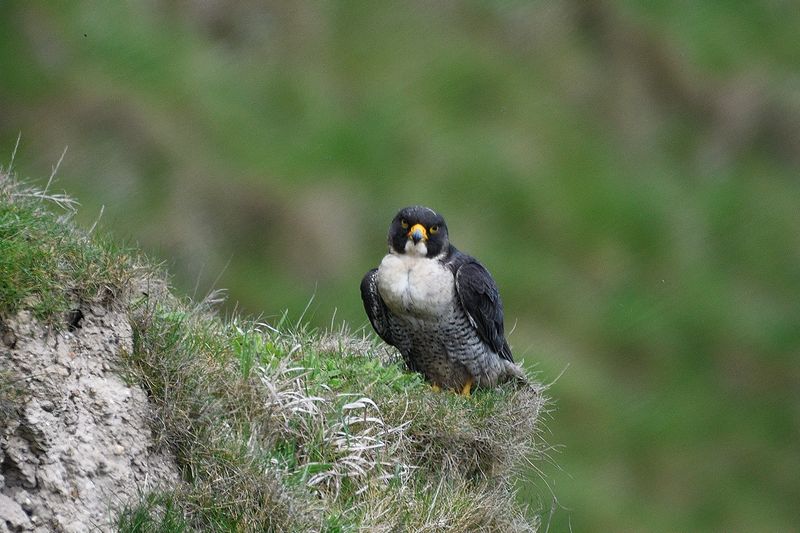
(481, 301)
(374, 306)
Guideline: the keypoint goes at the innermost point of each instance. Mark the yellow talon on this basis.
(467, 386)
(436, 388)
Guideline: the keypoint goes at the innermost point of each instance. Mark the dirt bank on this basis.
(75, 443)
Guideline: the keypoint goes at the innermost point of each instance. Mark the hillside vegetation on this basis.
(627, 171)
(272, 426)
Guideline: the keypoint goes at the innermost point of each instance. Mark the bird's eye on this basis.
(434, 229)
(404, 223)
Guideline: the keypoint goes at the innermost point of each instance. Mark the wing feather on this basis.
(375, 307)
(481, 301)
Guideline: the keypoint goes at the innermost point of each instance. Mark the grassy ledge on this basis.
(275, 427)
(49, 266)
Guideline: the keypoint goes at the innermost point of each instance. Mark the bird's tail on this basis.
(515, 373)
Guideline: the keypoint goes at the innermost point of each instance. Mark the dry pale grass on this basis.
(295, 430)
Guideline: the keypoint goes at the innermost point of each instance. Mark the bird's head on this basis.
(418, 231)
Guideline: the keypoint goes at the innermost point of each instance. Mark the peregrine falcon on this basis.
(438, 306)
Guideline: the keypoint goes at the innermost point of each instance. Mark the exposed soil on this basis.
(75, 444)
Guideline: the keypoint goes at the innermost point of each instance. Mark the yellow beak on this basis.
(418, 233)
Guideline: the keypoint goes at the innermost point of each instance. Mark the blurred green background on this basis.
(629, 172)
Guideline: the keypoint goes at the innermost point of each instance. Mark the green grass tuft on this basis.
(49, 267)
(155, 513)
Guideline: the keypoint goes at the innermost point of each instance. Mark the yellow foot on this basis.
(436, 388)
(467, 386)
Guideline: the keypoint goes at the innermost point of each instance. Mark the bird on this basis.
(438, 306)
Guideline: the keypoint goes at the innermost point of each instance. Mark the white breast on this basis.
(415, 285)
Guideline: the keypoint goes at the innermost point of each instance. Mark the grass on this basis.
(276, 427)
(294, 429)
(48, 266)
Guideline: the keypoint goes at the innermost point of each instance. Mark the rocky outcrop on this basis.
(75, 443)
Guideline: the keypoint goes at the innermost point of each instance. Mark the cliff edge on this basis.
(124, 408)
